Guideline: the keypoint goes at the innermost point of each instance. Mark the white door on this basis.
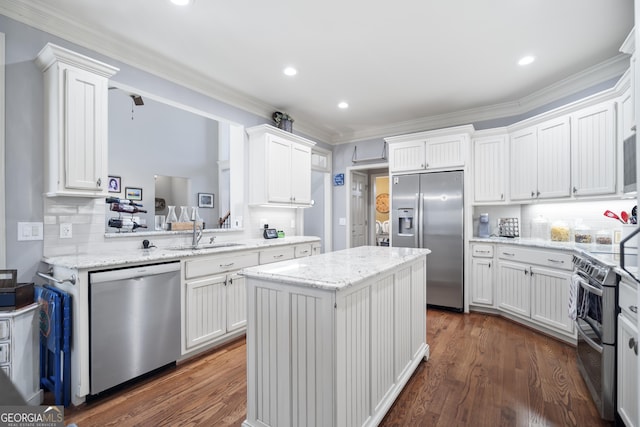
(359, 212)
(524, 164)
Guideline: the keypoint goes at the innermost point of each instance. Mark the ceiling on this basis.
(402, 66)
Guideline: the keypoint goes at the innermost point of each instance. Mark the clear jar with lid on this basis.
(539, 228)
(604, 239)
(582, 233)
(560, 231)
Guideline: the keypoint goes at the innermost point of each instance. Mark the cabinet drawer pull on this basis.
(227, 265)
(278, 256)
(508, 254)
(633, 308)
(555, 260)
(482, 252)
(304, 252)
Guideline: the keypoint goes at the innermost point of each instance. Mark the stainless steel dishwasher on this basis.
(134, 322)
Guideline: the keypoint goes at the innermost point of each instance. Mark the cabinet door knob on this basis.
(575, 190)
(633, 308)
(538, 194)
(501, 196)
(526, 271)
(533, 193)
(99, 182)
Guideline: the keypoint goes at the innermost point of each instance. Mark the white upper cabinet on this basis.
(593, 150)
(432, 150)
(76, 122)
(279, 167)
(407, 156)
(541, 161)
(554, 159)
(524, 164)
(489, 168)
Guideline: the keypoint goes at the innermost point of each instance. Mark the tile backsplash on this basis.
(591, 213)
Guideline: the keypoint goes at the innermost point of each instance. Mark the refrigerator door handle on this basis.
(420, 210)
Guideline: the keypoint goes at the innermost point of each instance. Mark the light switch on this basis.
(30, 231)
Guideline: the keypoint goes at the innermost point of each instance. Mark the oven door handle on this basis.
(589, 288)
(597, 347)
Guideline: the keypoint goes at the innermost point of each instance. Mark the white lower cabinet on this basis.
(482, 276)
(214, 298)
(205, 309)
(19, 351)
(627, 371)
(215, 295)
(627, 388)
(533, 285)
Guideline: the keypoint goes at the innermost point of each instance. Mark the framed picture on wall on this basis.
(205, 200)
(133, 193)
(114, 184)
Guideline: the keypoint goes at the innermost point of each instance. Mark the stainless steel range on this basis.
(595, 319)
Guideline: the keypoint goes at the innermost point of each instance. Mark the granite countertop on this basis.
(608, 255)
(137, 256)
(336, 270)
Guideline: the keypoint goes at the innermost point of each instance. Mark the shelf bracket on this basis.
(383, 157)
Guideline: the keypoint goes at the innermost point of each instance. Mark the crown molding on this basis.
(44, 17)
(599, 73)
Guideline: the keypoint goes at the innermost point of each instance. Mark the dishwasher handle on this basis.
(134, 272)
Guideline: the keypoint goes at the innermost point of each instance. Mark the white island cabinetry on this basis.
(333, 339)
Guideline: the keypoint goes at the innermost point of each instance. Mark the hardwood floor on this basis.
(483, 371)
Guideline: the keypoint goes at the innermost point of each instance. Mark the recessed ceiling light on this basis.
(343, 105)
(526, 60)
(181, 2)
(290, 71)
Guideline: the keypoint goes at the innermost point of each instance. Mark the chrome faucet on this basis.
(197, 233)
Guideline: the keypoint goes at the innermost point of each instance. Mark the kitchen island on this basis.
(333, 339)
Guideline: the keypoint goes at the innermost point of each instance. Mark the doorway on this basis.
(361, 203)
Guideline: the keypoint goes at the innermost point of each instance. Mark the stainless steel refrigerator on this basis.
(428, 212)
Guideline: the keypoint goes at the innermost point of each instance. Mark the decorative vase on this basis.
(171, 215)
(184, 214)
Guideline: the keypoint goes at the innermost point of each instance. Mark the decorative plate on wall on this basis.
(382, 203)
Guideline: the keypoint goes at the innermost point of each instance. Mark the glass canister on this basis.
(560, 231)
(539, 228)
(604, 239)
(582, 233)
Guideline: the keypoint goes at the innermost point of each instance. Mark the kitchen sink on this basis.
(204, 246)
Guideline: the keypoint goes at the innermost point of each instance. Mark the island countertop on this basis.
(336, 270)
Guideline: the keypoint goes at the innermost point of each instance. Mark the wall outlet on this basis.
(66, 230)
